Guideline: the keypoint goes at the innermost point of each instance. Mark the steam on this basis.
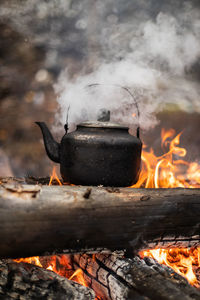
(155, 65)
(149, 47)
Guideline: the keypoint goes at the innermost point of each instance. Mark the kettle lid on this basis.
(103, 121)
(101, 124)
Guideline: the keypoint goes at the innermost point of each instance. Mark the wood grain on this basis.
(38, 220)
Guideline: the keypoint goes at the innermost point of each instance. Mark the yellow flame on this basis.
(182, 261)
(168, 170)
(54, 176)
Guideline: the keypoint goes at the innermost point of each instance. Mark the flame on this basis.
(54, 176)
(168, 170)
(79, 277)
(30, 260)
(183, 261)
(59, 264)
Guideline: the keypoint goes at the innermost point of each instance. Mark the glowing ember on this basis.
(59, 264)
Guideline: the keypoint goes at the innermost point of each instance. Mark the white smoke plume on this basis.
(152, 57)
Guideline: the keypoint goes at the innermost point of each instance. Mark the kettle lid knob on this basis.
(103, 115)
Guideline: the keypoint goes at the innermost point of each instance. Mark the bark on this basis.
(25, 281)
(39, 220)
(113, 277)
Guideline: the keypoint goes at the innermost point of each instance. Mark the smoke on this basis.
(150, 47)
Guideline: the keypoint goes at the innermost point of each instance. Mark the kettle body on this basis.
(99, 153)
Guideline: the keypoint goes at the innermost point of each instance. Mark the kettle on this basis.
(96, 153)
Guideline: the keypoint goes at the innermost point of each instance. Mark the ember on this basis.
(59, 264)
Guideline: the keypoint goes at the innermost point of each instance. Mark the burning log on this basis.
(26, 281)
(114, 277)
(39, 220)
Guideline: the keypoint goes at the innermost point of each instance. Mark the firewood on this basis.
(39, 220)
(113, 277)
(26, 282)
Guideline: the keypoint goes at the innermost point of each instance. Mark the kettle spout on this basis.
(51, 146)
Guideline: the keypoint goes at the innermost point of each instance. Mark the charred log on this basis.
(26, 281)
(113, 277)
(39, 220)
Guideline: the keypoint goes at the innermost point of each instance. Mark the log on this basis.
(25, 281)
(114, 277)
(111, 277)
(159, 282)
(44, 220)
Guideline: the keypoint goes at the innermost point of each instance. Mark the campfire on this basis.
(118, 216)
(169, 170)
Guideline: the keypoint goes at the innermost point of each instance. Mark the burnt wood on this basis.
(114, 277)
(39, 220)
(27, 282)
(111, 277)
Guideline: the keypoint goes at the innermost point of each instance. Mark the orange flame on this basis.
(60, 264)
(182, 261)
(54, 176)
(79, 277)
(168, 170)
(30, 260)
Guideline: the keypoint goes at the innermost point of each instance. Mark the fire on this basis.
(30, 260)
(169, 170)
(78, 274)
(54, 176)
(59, 264)
(182, 261)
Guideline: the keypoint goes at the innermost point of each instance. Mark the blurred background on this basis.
(39, 39)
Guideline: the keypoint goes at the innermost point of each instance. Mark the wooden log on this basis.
(113, 277)
(159, 282)
(39, 220)
(25, 281)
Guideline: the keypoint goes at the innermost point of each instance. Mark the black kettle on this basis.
(96, 153)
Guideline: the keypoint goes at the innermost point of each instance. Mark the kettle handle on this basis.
(130, 94)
